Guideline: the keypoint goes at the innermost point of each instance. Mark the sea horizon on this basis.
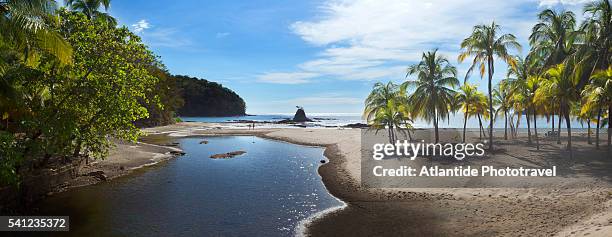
(343, 119)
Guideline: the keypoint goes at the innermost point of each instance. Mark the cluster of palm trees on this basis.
(566, 75)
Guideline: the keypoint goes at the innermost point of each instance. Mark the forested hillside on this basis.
(206, 98)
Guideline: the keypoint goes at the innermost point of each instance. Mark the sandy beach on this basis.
(569, 206)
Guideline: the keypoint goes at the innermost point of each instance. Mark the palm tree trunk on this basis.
(506, 125)
(535, 128)
(589, 131)
(528, 127)
(518, 124)
(436, 126)
(465, 117)
(569, 129)
(490, 103)
(610, 128)
(481, 129)
(553, 118)
(559, 127)
(597, 127)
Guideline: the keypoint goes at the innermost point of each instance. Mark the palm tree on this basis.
(385, 107)
(433, 88)
(28, 34)
(520, 90)
(484, 44)
(561, 83)
(471, 102)
(584, 116)
(595, 53)
(503, 98)
(598, 95)
(91, 9)
(480, 110)
(27, 27)
(553, 36)
(533, 82)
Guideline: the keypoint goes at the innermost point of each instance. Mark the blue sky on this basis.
(324, 55)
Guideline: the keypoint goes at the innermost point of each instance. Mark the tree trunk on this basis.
(436, 126)
(597, 127)
(77, 149)
(491, 103)
(535, 128)
(481, 129)
(465, 117)
(569, 130)
(518, 124)
(589, 131)
(559, 127)
(506, 125)
(609, 128)
(553, 118)
(528, 127)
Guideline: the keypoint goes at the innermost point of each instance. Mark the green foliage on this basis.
(57, 111)
(104, 88)
(9, 157)
(387, 107)
(433, 89)
(170, 98)
(72, 82)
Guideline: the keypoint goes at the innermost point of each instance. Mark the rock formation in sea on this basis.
(300, 115)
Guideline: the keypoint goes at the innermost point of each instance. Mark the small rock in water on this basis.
(227, 155)
(204, 142)
(322, 161)
(177, 153)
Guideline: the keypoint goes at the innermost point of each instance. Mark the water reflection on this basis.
(264, 192)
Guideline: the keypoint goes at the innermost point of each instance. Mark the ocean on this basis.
(342, 119)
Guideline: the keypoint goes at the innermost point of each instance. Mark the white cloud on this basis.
(550, 3)
(222, 34)
(375, 39)
(140, 26)
(166, 37)
(287, 77)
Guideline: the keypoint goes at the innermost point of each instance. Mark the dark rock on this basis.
(322, 161)
(285, 121)
(227, 155)
(98, 174)
(357, 125)
(204, 142)
(300, 116)
(177, 153)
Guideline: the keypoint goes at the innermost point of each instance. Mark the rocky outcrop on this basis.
(300, 116)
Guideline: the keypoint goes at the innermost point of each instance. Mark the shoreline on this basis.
(421, 211)
(441, 211)
(123, 160)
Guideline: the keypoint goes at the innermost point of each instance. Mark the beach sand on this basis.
(569, 206)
